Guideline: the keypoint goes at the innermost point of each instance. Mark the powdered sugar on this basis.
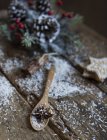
(1, 53)
(66, 81)
(12, 64)
(33, 84)
(6, 92)
(59, 86)
(62, 67)
(61, 89)
(91, 114)
(37, 124)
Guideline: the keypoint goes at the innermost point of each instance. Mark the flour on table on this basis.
(6, 92)
(60, 85)
(32, 84)
(12, 64)
(1, 53)
(64, 84)
(36, 123)
(94, 114)
(8, 103)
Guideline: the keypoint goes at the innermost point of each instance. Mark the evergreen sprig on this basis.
(76, 20)
(28, 40)
(5, 31)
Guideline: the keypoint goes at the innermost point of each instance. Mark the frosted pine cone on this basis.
(46, 29)
(17, 11)
(43, 6)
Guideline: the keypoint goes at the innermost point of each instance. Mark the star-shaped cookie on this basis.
(97, 69)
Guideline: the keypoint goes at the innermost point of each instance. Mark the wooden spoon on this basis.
(36, 123)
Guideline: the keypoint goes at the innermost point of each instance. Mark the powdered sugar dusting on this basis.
(61, 84)
(6, 92)
(61, 89)
(32, 84)
(91, 114)
(12, 64)
(37, 123)
(1, 53)
(66, 81)
(62, 67)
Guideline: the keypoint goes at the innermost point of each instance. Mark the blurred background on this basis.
(94, 12)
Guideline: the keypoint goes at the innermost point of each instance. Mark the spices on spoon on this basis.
(42, 113)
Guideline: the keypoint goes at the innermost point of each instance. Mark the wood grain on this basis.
(14, 118)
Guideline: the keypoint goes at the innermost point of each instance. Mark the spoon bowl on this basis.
(36, 123)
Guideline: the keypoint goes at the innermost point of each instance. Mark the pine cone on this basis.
(46, 28)
(43, 6)
(17, 11)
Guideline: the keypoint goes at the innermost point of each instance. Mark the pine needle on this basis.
(5, 31)
(76, 21)
(28, 40)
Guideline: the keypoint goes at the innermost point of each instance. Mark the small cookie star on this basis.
(97, 69)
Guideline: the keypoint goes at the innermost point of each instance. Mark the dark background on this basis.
(94, 12)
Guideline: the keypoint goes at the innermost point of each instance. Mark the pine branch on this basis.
(5, 31)
(53, 1)
(53, 4)
(28, 40)
(76, 21)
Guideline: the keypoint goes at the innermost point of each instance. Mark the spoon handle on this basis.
(48, 83)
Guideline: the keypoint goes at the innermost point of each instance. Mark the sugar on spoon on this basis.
(40, 115)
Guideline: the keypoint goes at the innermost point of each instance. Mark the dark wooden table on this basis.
(80, 116)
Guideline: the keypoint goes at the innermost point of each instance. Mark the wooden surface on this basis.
(82, 115)
(14, 118)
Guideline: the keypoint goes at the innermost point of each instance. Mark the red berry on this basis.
(12, 27)
(59, 3)
(17, 21)
(21, 25)
(69, 15)
(50, 13)
(64, 15)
